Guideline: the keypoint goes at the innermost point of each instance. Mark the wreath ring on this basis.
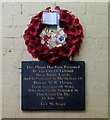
(71, 27)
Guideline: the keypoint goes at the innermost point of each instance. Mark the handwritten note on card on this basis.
(50, 17)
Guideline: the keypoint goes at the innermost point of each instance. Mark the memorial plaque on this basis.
(53, 87)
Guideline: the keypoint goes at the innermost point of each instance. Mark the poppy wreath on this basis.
(71, 27)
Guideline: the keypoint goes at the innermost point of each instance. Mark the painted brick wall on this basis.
(94, 51)
(1, 60)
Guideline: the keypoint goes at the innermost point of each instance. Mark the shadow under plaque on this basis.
(53, 87)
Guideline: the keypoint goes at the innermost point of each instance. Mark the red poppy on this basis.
(67, 52)
(27, 34)
(72, 38)
(66, 30)
(41, 57)
(72, 31)
(64, 17)
(57, 8)
(82, 34)
(39, 15)
(79, 28)
(46, 38)
(42, 26)
(44, 50)
(57, 50)
(37, 45)
(71, 46)
(32, 39)
(30, 48)
(35, 21)
(48, 8)
(62, 24)
(76, 21)
(27, 42)
(35, 53)
(64, 11)
(34, 30)
(71, 22)
(51, 57)
(78, 45)
(29, 26)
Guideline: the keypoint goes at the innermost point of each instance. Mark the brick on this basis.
(26, 56)
(91, 8)
(15, 68)
(36, 7)
(102, 43)
(45, 114)
(96, 31)
(11, 89)
(20, 20)
(12, 32)
(20, 114)
(13, 44)
(0, 25)
(11, 8)
(101, 84)
(19, 44)
(7, 20)
(86, 19)
(101, 19)
(0, 20)
(7, 113)
(10, 103)
(91, 112)
(29, 17)
(11, 56)
(102, 8)
(56, 114)
(86, 52)
(8, 43)
(94, 8)
(6, 78)
(98, 102)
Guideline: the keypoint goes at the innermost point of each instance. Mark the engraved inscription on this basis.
(52, 86)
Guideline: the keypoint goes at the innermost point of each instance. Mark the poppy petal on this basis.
(57, 8)
(48, 8)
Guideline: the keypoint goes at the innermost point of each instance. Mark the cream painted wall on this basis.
(94, 51)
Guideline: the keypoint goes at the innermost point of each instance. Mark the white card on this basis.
(50, 17)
